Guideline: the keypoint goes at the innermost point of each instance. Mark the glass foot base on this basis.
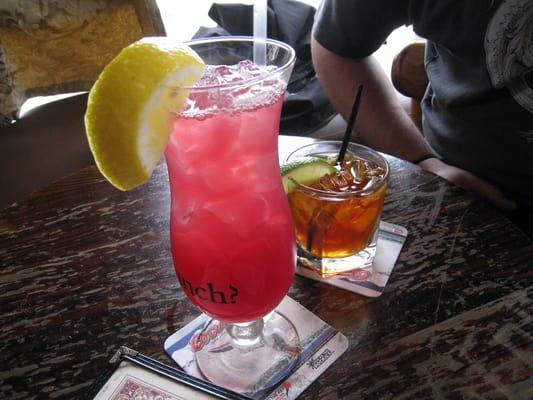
(247, 358)
(361, 262)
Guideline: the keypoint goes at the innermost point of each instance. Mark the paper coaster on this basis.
(321, 346)
(390, 242)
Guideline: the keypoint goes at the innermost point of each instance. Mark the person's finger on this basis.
(492, 194)
(470, 183)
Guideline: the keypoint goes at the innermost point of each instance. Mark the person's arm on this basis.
(383, 124)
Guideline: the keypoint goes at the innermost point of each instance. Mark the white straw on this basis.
(260, 31)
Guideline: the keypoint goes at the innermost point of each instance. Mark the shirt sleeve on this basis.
(357, 28)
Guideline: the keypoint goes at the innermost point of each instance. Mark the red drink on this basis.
(232, 234)
(231, 229)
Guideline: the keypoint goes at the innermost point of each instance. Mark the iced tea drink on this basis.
(337, 217)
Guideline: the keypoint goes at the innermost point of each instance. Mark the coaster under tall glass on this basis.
(232, 235)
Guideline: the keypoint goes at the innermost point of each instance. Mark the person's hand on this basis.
(469, 182)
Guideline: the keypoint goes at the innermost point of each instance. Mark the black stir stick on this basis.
(318, 217)
(351, 122)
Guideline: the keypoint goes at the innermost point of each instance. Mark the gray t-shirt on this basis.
(478, 108)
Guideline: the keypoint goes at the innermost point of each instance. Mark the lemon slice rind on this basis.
(132, 105)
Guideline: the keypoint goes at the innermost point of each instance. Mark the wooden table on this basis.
(85, 269)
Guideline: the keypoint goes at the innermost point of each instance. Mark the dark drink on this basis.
(337, 216)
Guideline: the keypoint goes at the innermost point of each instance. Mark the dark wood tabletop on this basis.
(85, 268)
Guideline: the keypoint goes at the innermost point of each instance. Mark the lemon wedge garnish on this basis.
(132, 104)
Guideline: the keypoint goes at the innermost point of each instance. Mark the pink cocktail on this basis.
(232, 235)
(231, 229)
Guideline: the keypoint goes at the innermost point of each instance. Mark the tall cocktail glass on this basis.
(231, 230)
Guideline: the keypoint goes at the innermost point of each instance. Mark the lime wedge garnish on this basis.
(304, 170)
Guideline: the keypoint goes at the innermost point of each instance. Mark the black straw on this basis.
(351, 122)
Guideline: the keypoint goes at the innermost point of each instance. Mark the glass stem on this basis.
(246, 334)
